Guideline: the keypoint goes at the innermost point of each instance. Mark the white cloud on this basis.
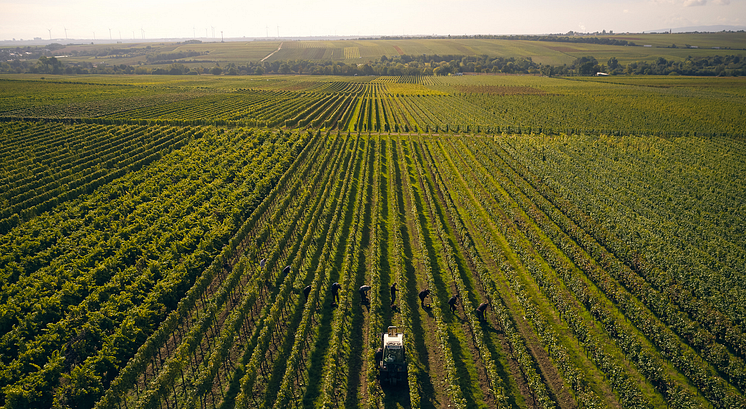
(722, 2)
(694, 3)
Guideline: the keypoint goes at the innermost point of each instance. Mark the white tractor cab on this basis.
(391, 360)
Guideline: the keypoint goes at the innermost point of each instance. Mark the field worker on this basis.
(480, 310)
(262, 263)
(452, 302)
(379, 356)
(286, 271)
(423, 294)
(307, 291)
(363, 290)
(335, 292)
(393, 294)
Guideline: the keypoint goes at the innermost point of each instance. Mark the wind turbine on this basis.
(65, 33)
(278, 31)
(194, 32)
(205, 33)
(50, 33)
(142, 32)
(109, 34)
(267, 28)
(221, 36)
(213, 31)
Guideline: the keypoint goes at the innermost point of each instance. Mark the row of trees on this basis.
(716, 65)
(427, 65)
(731, 65)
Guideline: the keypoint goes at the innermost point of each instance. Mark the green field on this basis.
(602, 219)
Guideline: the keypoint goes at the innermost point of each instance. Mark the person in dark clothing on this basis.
(393, 294)
(363, 290)
(286, 271)
(379, 356)
(423, 294)
(262, 263)
(335, 292)
(480, 310)
(307, 291)
(452, 302)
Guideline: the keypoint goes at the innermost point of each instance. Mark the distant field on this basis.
(735, 41)
(362, 51)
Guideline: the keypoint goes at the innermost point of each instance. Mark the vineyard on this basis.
(604, 229)
(477, 104)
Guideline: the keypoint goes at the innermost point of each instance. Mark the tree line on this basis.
(420, 65)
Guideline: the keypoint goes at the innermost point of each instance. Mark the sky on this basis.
(150, 19)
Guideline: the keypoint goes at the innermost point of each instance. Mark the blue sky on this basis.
(25, 19)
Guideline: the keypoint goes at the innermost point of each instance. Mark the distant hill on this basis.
(701, 29)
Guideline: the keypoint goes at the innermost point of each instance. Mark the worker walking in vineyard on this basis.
(335, 293)
(286, 271)
(307, 291)
(262, 263)
(393, 294)
(363, 290)
(424, 294)
(452, 302)
(480, 310)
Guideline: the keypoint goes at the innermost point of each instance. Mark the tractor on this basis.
(390, 358)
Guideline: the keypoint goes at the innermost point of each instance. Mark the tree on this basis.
(49, 65)
(585, 65)
(441, 70)
(216, 71)
(613, 63)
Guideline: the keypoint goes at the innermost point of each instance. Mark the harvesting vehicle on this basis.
(391, 360)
